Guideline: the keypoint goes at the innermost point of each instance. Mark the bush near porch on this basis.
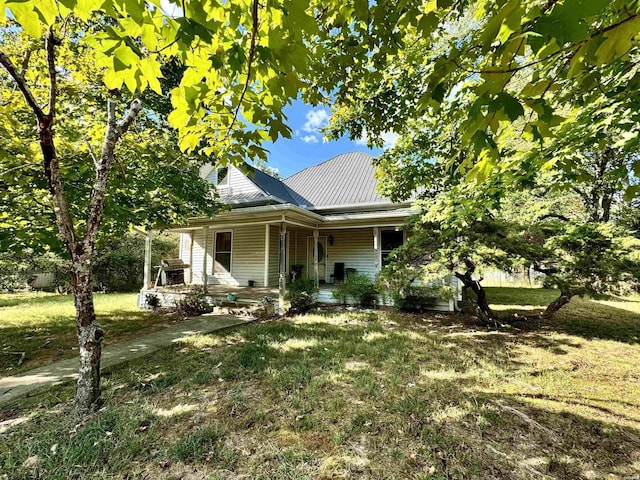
(375, 395)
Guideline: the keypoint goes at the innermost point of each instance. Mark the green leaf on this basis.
(617, 41)
(27, 17)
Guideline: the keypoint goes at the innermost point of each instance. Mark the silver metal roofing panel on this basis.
(346, 179)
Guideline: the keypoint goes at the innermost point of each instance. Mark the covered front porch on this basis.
(246, 255)
(258, 251)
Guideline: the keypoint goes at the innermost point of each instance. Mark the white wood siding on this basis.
(247, 257)
(237, 182)
(298, 248)
(185, 253)
(354, 248)
(274, 243)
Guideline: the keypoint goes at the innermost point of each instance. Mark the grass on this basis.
(357, 395)
(612, 318)
(42, 326)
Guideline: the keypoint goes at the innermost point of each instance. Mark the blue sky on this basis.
(306, 146)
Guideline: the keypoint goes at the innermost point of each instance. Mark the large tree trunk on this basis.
(483, 310)
(556, 305)
(90, 336)
(486, 315)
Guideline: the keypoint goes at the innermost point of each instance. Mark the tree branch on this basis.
(115, 131)
(252, 52)
(50, 43)
(96, 162)
(17, 77)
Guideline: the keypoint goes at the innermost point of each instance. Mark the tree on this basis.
(550, 232)
(241, 63)
(69, 196)
(525, 84)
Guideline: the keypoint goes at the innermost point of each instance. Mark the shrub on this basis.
(152, 301)
(195, 302)
(357, 287)
(416, 298)
(302, 295)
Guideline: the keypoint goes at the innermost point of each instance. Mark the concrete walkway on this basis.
(65, 370)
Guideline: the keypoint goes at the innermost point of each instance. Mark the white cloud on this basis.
(309, 139)
(316, 119)
(171, 9)
(389, 140)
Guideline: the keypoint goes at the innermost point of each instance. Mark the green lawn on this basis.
(42, 325)
(611, 318)
(355, 396)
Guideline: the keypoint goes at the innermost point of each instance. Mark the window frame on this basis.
(388, 252)
(216, 251)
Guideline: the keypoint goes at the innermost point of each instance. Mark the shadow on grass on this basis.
(384, 399)
(607, 317)
(55, 338)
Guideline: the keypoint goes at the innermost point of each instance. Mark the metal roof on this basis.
(271, 186)
(346, 179)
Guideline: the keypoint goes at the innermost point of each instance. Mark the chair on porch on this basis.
(338, 273)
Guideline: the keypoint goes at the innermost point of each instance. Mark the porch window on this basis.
(389, 240)
(223, 250)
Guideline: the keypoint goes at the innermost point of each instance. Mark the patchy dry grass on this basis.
(348, 396)
(42, 326)
(612, 318)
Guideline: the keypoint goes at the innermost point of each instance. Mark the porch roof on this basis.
(294, 215)
(259, 215)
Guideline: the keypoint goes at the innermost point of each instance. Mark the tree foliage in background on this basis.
(506, 88)
(119, 262)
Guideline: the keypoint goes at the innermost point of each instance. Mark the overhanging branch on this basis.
(17, 77)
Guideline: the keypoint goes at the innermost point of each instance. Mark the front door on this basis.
(322, 258)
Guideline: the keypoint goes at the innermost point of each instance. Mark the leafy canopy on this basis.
(507, 87)
(153, 183)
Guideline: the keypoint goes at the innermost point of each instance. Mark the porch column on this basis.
(376, 249)
(315, 256)
(266, 255)
(148, 268)
(191, 257)
(205, 280)
(282, 267)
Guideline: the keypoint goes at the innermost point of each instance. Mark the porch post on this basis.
(205, 280)
(147, 262)
(266, 255)
(376, 248)
(191, 257)
(282, 267)
(315, 256)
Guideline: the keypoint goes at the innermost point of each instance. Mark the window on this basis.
(390, 240)
(223, 250)
(223, 177)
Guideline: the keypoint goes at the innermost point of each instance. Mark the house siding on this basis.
(238, 183)
(185, 254)
(274, 243)
(354, 248)
(247, 257)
